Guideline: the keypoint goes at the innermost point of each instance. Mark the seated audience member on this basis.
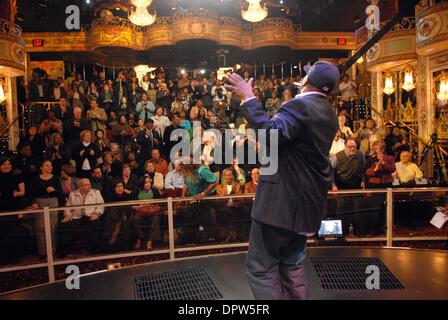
(156, 177)
(228, 186)
(81, 224)
(228, 210)
(130, 180)
(251, 186)
(160, 164)
(174, 182)
(147, 215)
(238, 172)
(100, 181)
(379, 167)
(117, 226)
(406, 171)
(337, 145)
(347, 168)
(85, 154)
(146, 190)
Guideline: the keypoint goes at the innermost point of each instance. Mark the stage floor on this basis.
(423, 275)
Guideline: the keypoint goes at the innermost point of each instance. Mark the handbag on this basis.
(148, 210)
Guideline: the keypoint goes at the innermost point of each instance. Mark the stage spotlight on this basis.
(182, 71)
(202, 71)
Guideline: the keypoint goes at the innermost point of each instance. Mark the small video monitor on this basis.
(330, 229)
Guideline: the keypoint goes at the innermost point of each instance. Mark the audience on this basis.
(348, 168)
(407, 172)
(112, 139)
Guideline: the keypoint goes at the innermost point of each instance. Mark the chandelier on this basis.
(442, 95)
(141, 17)
(255, 12)
(408, 83)
(141, 3)
(142, 70)
(389, 85)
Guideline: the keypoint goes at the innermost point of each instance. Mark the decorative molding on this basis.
(392, 50)
(189, 24)
(432, 29)
(12, 50)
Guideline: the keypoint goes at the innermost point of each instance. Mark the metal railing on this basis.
(172, 249)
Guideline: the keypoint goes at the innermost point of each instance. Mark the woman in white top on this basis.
(160, 121)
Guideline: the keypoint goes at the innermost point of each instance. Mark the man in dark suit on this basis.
(73, 126)
(290, 204)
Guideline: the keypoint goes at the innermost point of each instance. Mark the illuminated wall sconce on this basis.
(408, 84)
(360, 60)
(389, 87)
(442, 94)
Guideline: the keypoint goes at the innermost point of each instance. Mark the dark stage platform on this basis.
(333, 273)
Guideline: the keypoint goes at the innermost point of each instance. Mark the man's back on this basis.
(295, 197)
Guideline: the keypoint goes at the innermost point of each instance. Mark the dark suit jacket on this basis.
(295, 198)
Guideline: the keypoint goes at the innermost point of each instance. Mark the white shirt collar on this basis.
(310, 93)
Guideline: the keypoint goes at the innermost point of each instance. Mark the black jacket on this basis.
(295, 197)
(86, 155)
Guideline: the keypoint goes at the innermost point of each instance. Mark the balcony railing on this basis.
(382, 217)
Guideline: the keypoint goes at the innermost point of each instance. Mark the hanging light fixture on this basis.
(442, 95)
(389, 87)
(141, 3)
(142, 70)
(255, 12)
(141, 17)
(408, 83)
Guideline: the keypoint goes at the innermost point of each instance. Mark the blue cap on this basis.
(323, 76)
